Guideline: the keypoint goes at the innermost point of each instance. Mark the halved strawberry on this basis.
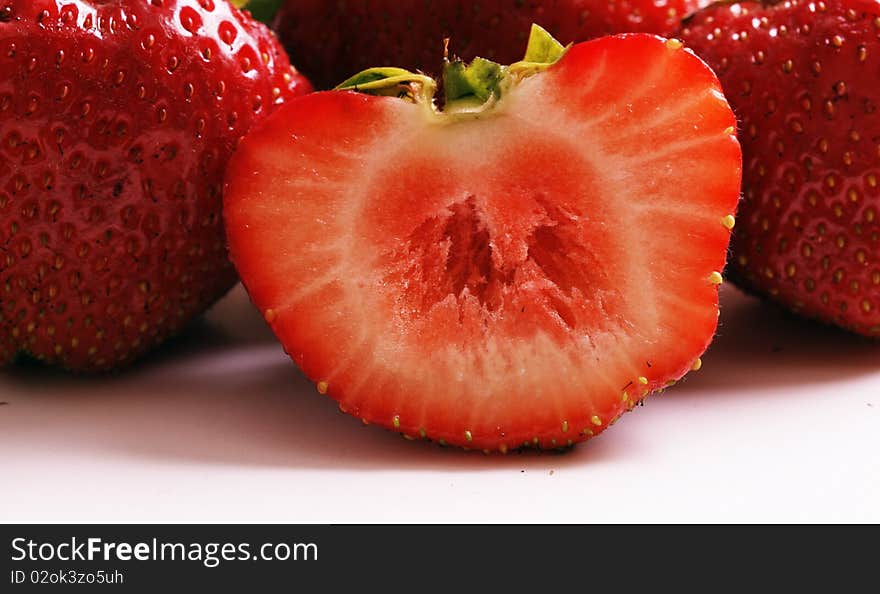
(517, 269)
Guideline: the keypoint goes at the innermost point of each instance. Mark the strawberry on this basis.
(117, 120)
(519, 268)
(337, 39)
(801, 80)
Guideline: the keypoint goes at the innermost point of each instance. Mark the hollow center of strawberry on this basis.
(455, 254)
(519, 238)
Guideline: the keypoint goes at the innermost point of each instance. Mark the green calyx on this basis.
(468, 88)
(394, 82)
(542, 52)
(543, 48)
(478, 80)
(262, 10)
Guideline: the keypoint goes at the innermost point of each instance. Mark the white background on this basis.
(782, 424)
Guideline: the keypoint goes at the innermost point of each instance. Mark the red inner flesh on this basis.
(453, 254)
(498, 251)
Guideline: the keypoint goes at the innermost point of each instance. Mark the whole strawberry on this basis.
(117, 118)
(803, 80)
(337, 39)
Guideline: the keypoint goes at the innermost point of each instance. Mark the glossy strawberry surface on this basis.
(804, 82)
(117, 119)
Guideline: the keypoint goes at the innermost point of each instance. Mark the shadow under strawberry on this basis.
(761, 346)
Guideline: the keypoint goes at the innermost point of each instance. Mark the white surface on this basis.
(782, 424)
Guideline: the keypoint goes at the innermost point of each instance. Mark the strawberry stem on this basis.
(469, 87)
(474, 86)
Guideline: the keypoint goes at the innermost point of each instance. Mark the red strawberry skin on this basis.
(336, 39)
(117, 119)
(495, 281)
(803, 80)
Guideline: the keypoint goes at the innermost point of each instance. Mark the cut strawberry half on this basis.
(519, 268)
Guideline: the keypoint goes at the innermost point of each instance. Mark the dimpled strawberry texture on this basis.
(334, 40)
(117, 119)
(804, 82)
